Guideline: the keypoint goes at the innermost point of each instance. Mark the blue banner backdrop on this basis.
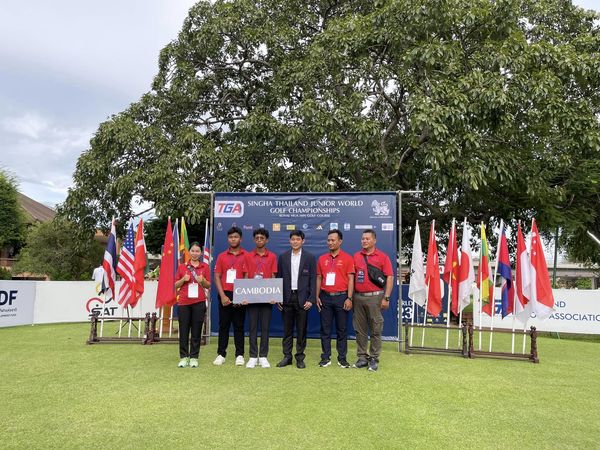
(315, 214)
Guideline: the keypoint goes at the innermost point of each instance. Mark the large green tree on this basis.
(55, 249)
(489, 107)
(12, 219)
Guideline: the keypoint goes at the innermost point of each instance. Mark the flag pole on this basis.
(102, 314)
(412, 317)
(493, 299)
(449, 292)
(480, 290)
(427, 299)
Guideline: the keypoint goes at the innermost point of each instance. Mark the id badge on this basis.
(231, 274)
(193, 290)
(330, 279)
(258, 275)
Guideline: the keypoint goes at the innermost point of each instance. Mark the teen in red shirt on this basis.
(231, 264)
(262, 264)
(191, 280)
(335, 285)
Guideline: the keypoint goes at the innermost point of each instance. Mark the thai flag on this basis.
(507, 289)
(110, 263)
(206, 254)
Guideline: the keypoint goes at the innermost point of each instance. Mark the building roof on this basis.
(35, 211)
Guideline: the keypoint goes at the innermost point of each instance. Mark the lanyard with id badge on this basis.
(193, 290)
(231, 274)
(330, 276)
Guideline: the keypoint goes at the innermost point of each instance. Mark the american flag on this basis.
(206, 254)
(126, 269)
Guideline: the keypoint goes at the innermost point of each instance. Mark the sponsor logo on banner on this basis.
(364, 227)
(305, 226)
(319, 227)
(219, 226)
(248, 227)
(229, 208)
(290, 227)
(347, 226)
(94, 306)
(276, 227)
(7, 298)
(380, 209)
(261, 225)
(333, 225)
(387, 227)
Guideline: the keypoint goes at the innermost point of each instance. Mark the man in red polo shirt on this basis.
(231, 265)
(335, 285)
(262, 264)
(369, 300)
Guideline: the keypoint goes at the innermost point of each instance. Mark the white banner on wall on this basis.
(576, 311)
(17, 299)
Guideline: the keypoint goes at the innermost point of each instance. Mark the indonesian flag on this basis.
(432, 276)
(542, 298)
(417, 290)
(466, 272)
(522, 279)
(451, 268)
(484, 278)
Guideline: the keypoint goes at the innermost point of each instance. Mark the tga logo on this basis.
(229, 208)
(94, 306)
(8, 297)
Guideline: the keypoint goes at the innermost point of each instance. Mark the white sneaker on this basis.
(184, 362)
(264, 362)
(239, 361)
(219, 360)
(251, 363)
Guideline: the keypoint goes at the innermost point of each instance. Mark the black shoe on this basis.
(343, 363)
(300, 364)
(285, 362)
(325, 362)
(361, 364)
(373, 365)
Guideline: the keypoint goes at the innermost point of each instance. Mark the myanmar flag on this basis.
(484, 277)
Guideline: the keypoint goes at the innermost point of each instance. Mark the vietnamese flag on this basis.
(542, 297)
(484, 278)
(451, 268)
(432, 276)
(165, 293)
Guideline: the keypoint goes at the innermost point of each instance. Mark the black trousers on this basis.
(191, 318)
(231, 315)
(294, 314)
(259, 313)
(332, 307)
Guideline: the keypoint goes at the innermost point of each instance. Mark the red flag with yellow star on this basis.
(165, 293)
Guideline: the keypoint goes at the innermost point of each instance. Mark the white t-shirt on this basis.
(295, 269)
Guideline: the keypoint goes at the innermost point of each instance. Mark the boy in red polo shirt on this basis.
(262, 264)
(335, 285)
(231, 265)
(370, 300)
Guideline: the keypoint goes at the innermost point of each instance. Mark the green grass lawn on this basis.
(58, 392)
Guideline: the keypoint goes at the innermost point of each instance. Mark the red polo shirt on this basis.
(264, 265)
(227, 260)
(361, 278)
(183, 291)
(342, 265)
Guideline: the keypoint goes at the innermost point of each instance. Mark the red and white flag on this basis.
(542, 298)
(522, 279)
(432, 276)
(139, 263)
(466, 271)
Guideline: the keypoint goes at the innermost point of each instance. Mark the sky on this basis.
(67, 66)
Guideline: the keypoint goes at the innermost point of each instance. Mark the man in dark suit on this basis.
(298, 268)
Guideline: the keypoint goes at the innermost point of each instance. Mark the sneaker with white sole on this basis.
(193, 363)
(251, 364)
(219, 360)
(264, 362)
(239, 361)
(184, 362)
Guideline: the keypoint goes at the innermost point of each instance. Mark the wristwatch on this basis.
(387, 299)
(349, 298)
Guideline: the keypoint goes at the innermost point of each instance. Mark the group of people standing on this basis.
(336, 283)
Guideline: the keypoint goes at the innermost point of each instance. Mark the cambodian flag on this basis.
(507, 287)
